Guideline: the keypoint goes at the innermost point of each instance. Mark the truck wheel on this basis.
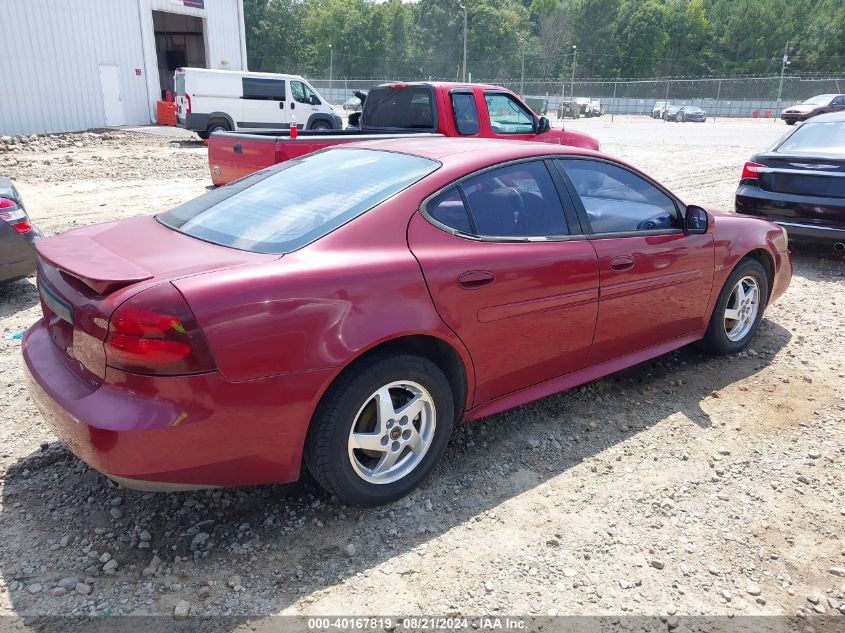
(217, 125)
(320, 125)
(380, 430)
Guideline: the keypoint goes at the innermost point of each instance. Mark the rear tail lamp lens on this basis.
(751, 170)
(14, 215)
(155, 333)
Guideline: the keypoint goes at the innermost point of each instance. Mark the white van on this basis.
(225, 100)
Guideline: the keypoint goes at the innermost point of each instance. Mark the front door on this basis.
(112, 99)
(655, 280)
(264, 104)
(511, 274)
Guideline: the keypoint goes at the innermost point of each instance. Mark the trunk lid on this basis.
(84, 275)
(802, 175)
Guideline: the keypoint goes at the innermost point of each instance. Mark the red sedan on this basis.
(351, 306)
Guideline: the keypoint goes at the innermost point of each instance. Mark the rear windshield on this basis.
(179, 83)
(816, 138)
(289, 205)
(406, 108)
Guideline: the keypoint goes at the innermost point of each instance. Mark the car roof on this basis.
(494, 150)
(446, 85)
(830, 117)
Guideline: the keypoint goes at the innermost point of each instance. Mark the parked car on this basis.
(569, 109)
(17, 235)
(814, 106)
(594, 108)
(351, 306)
(209, 101)
(671, 112)
(800, 181)
(583, 105)
(393, 110)
(690, 113)
(353, 104)
(658, 108)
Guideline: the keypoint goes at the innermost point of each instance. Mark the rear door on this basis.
(511, 273)
(264, 104)
(655, 280)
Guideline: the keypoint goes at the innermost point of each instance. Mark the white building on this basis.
(69, 65)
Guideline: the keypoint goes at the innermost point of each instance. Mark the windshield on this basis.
(289, 205)
(816, 138)
(692, 109)
(819, 100)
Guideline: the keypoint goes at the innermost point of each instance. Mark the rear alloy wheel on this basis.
(739, 309)
(217, 126)
(380, 429)
(320, 125)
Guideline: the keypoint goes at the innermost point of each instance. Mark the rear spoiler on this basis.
(88, 261)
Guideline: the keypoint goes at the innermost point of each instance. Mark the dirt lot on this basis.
(687, 485)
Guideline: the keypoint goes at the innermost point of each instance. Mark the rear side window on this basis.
(264, 89)
(511, 202)
(617, 200)
(289, 205)
(816, 137)
(466, 114)
(406, 107)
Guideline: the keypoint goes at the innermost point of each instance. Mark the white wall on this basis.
(50, 51)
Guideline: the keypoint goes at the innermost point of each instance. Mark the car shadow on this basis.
(16, 296)
(286, 543)
(817, 261)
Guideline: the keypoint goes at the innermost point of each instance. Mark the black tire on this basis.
(217, 125)
(716, 339)
(326, 446)
(320, 125)
(203, 135)
(788, 122)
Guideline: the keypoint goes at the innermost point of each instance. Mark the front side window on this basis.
(466, 114)
(838, 101)
(261, 89)
(289, 205)
(507, 115)
(303, 94)
(515, 201)
(619, 201)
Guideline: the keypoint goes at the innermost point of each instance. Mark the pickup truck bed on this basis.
(233, 155)
(397, 110)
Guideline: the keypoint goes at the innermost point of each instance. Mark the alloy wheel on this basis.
(742, 308)
(392, 432)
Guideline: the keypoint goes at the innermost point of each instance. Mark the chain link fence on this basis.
(718, 96)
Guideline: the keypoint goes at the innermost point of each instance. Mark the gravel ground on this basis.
(686, 485)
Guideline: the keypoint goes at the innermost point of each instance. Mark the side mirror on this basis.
(314, 100)
(695, 221)
(543, 125)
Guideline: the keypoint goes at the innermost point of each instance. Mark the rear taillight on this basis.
(12, 213)
(187, 103)
(751, 170)
(155, 333)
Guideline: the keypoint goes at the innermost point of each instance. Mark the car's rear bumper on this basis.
(804, 217)
(174, 433)
(17, 258)
(793, 117)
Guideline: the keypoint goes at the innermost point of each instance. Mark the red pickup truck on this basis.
(396, 110)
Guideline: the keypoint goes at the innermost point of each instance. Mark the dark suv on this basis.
(820, 104)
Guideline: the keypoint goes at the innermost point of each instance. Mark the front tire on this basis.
(739, 309)
(380, 429)
(320, 125)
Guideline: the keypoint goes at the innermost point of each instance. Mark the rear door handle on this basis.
(473, 279)
(621, 263)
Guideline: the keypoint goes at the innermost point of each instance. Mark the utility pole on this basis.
(522, 75)
(783, 65)
(464, 67)
(572, 79)
(331, 66)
